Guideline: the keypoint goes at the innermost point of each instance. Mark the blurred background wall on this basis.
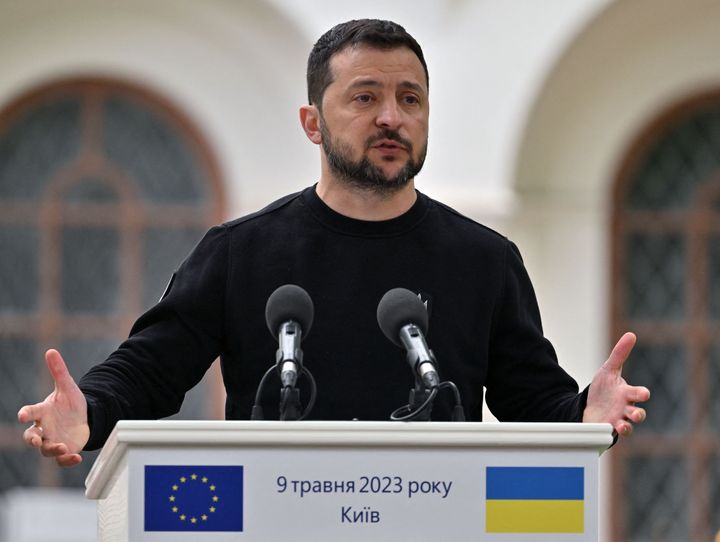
(587, 131)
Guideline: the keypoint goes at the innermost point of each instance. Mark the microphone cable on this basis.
(406, 413)
(257, 410)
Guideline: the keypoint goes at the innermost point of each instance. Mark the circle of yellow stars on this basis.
(193, 518)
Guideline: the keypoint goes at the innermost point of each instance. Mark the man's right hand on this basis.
(60, 427)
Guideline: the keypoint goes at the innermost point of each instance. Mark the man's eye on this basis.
(363, 98)
(411, 100)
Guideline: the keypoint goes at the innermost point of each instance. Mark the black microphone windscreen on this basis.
(289, 302)
(400, 307)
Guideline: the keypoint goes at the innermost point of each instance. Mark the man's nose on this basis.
(389, 115)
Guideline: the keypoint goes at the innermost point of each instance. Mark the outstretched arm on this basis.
(60, 426)
(610, 398)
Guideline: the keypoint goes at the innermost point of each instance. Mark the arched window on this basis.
(667, 289)
(104, 189)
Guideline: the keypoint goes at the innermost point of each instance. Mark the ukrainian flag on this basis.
(535, 500)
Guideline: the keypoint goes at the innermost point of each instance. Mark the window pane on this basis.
(20, 369)
(705, 149)
(163, 251)
(714, 390)
(684, 157)
(655, 276)
(18, 467)
(81, 354)
(34, 147)
(715, 496)
(657, 507)
(714, 276)
(19, 253)
(663, 180)
(90, 270)
(164, 166)
(91, 191)
(663, 369)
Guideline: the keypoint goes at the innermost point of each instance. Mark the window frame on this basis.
(49, 324)
(696, 331)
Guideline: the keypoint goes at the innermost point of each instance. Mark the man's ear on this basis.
(310, 120)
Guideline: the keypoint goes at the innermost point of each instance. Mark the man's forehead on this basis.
(356, 62)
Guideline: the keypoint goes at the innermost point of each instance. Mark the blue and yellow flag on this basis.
(535, 500)
(193, 498)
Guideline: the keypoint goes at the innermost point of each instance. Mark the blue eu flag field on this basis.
(193, 498)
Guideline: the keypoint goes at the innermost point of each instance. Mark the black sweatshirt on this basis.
(484, 325)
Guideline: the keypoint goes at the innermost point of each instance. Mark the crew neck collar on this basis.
(365, 228)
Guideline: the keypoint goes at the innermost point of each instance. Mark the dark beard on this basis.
(364, 175)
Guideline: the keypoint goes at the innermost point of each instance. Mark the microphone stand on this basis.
(418, 396)
(419, 405)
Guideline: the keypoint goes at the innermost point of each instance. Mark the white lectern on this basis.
(348, 481)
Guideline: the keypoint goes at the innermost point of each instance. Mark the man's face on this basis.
(374, 118)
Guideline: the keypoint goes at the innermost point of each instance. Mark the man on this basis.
(360, 231)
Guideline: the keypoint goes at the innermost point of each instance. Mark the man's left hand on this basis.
(610, 398)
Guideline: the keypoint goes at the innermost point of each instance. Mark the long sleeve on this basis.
(169, 348)
(525, 381)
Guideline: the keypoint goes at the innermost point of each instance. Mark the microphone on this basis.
(403, 319)
(289, 314)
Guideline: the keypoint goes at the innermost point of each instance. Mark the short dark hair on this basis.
(373, 32)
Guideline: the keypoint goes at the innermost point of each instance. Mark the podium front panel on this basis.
(352, 488)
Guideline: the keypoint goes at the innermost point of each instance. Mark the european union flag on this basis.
(193, 498)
